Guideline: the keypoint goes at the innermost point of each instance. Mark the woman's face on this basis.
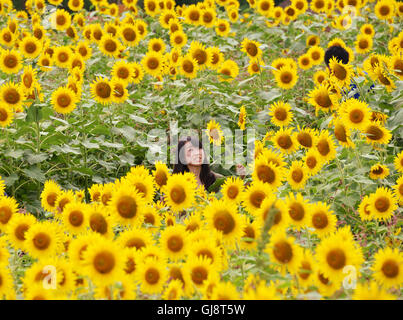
(193, 155)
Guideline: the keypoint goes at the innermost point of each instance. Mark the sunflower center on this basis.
(284, 141)
(282, 251)
(7, 37)
(63, 57)
(363, 44)
(110, 45)
(251, 49)
(280, 114)
(103, 90)
(323, 279)
(187, 66)
(297, 175)
(224, 222)
(319, 220)
(10, 61)
(11, 96)
(340, 133)
(3, 115)
(152, 276)
(315, 55)
(76, 218)
(339, 72)
(384, 10)
(178, 194)
(135, 242)
(232, 192)
(304, 139)
(356, 116)
(286, 77)
(323, 147)
(390, 268)
(296, 211)
(382, 204)
(127, 207)
(60, 20)
(266, 174)
(98, 223)
(207, 17)
(199, 274)
(20, 231)
(51, 199)
(130, 266)
(374, 133)
(311, 162)
(323, 100)
(377, 171)
(256, 198)
(153, 63)
(336, 258)
(41, 241)
(30, 47)
(63, 100)
(200, 56)
(175, 243)
(5, 214)
(305, 265)
(249, 233)
(104, 262)
(194, 16)
(161, 178)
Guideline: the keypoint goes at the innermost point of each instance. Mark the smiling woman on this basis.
(192, 158)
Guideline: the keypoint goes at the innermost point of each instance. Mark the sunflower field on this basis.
(318, 213)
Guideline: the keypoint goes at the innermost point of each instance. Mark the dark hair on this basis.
(338, 52)
(207, 177)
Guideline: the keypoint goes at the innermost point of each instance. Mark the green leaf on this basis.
(216, 185)
(35, 173)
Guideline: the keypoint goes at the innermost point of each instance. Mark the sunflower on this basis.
(284, 251)
(178, 39)
(102, 261)
(378, 171)
(192, 15)
(10, 61)
(364, 209)
(120, 93)
(307, 269)
(255, 66)
(193, 222)
(214, 132)
(322, 98)
(74, 217)
(64, 100)
(17, 227)
(334, 253)
(49, 195)
(396, 65)
(223, 216)
(6, 284)
(11, 95)
(208, 17)
(268, 172)
(78, 246)
(319, 76)
(280, 216)
(199, 53)
(312, 40)
(161, 174)
(398, 162)
(8, 208)
(28, 79)
(152, 275)
(222, 27)
(254, 195)
(375, 133)
(341, 73)
(43, 239)
(6, 116)
(385, 9)
(342, 133)
(100, 221)
(297, 175)
(101, 90)
(110, 46)
(60, 19)
(284, 140)
(251, 48)
(382, 203)
(173, 291)
(196, 271)
(325, 286)
(30, 47)
(232, 189)
(322, 219)
(297, 208)
(399, 189)
(136, 238)
(304, 62)
(175, 242)
(75, 5)
(356, 114)
(388, 267)
(286, 77)
(62, 56)
(228, 71)
(383, 78)
(363, 44)
(217, 57)
(318, 6)
(7, 38)
(179, 192)
(153, 63)
(281, 114)
(251, 234)
(143, 183)
(326, 146)
(265, 7)
(63, 199)
(371, 291)
(45, 62)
